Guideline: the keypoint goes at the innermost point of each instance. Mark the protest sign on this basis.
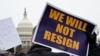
(63, 31)
(9, 37)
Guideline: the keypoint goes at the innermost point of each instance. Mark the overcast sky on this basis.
(86, 9)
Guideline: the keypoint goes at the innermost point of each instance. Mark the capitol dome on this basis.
(25, 23)
(25, 29)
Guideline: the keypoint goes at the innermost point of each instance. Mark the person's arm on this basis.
(91, 39)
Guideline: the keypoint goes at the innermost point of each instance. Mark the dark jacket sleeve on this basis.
(91, 39)
(94, 49)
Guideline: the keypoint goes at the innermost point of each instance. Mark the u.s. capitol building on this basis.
(25, 29)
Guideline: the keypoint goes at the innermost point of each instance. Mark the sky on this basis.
(86, 9)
